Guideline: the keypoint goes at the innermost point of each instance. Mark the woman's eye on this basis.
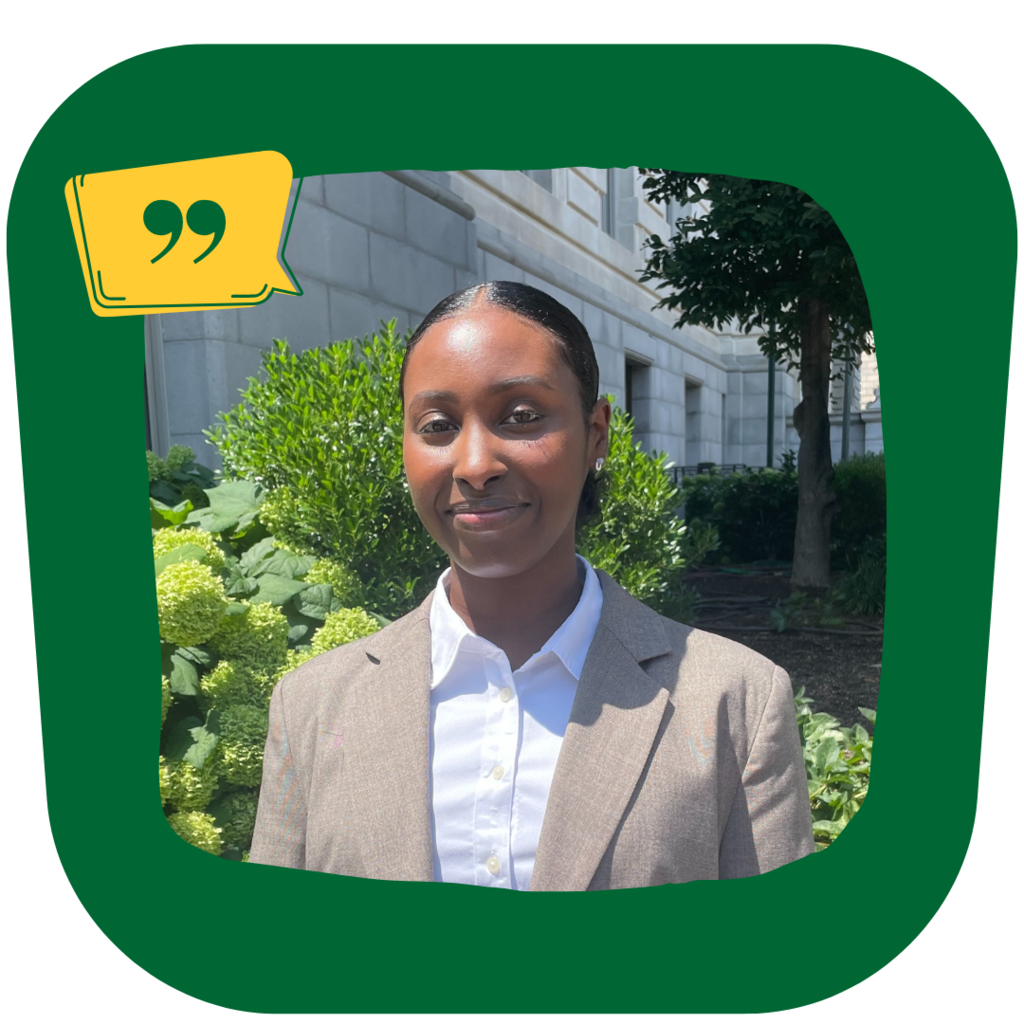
(435, 427)
(524, 416)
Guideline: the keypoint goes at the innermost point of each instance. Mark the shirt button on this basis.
(497, 771)
(505, 693)
(493, 864)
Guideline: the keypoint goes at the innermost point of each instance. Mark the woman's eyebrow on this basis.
(518, 382)
(498, 386)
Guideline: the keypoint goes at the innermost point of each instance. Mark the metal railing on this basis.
(678, 472)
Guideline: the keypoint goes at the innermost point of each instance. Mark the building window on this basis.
(543, 178)
(638, 393)
(608, 204)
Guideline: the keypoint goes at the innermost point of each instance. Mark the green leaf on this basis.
(237, 584)
(187, 552)
(260, 550)
(193, 740)
(300, 631)
(211, 521)
(285, 563)
(234, 503)
(315, 601)
(380, 618)
(163, 515)
(278, 590)
(163, 492)
(868, 714)
(181, 673)
(197, 655)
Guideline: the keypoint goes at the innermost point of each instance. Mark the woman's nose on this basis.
(476, 453)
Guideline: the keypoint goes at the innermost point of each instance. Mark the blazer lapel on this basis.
(387, 755)
(612, 726)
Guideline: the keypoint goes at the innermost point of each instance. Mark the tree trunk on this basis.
(816, 501)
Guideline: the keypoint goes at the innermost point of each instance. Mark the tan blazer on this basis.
(681, 760)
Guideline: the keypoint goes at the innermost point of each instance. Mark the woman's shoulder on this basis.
(342, 667)
(683, 646)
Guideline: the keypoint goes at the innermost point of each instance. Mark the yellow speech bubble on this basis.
(200, 234)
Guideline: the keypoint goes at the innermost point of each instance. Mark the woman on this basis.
(531, 725)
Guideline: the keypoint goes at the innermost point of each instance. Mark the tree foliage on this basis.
(762, 254)
(748, 251)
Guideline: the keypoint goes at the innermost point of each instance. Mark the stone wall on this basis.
(375, 246)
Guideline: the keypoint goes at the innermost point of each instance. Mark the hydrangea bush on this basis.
(237, 611)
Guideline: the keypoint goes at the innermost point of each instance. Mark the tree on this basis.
(763, 254)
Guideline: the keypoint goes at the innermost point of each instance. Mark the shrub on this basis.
(272, 603)
(178, 477)
(342, 627)
(243, 735)
(186, 787)
(343, 582)
(231, 683)
(638, 539)
(322, 432)
(235, 813)
(861, 590)
(190, 602)
(198, 829)
(860, 488)
(258, 638)
(838, 763)
(754, 512)
(169, 539)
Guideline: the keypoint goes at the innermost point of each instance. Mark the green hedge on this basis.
(860, 487)
(755, 512)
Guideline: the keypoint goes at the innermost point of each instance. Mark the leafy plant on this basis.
(178, 477)
(321, 431)
(800, 609)
(753, 512)
(838, 763)
(859, 484)
(861, 590)
(638, 538)
(237, 612)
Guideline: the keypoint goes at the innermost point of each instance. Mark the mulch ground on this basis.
(839, 666)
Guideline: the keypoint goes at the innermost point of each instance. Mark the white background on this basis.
(967, 962)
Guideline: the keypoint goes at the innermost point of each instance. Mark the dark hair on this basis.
(540, 308)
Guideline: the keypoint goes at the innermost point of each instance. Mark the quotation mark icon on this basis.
(204, 217)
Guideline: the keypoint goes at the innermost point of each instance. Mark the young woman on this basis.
(531, 725)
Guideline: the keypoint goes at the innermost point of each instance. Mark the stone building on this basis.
(374, 246)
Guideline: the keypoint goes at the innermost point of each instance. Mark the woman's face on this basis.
(496, 445)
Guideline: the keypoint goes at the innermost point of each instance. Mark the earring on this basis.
(598, 465)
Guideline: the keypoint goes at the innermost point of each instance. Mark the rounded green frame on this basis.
(859, 131)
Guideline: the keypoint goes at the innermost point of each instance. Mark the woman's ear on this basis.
(600, 419)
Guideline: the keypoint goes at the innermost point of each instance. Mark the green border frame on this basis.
(888, 151)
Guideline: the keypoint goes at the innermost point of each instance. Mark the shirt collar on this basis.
(570, 642)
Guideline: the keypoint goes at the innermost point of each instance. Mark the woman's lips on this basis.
(486, 518)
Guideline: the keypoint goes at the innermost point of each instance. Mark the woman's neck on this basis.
(518, 613)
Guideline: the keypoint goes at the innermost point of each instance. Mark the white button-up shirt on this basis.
(495, 735)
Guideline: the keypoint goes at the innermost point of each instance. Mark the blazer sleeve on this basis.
(770, 821)
(280, 834)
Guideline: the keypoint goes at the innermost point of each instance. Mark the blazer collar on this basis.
(612, 726)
